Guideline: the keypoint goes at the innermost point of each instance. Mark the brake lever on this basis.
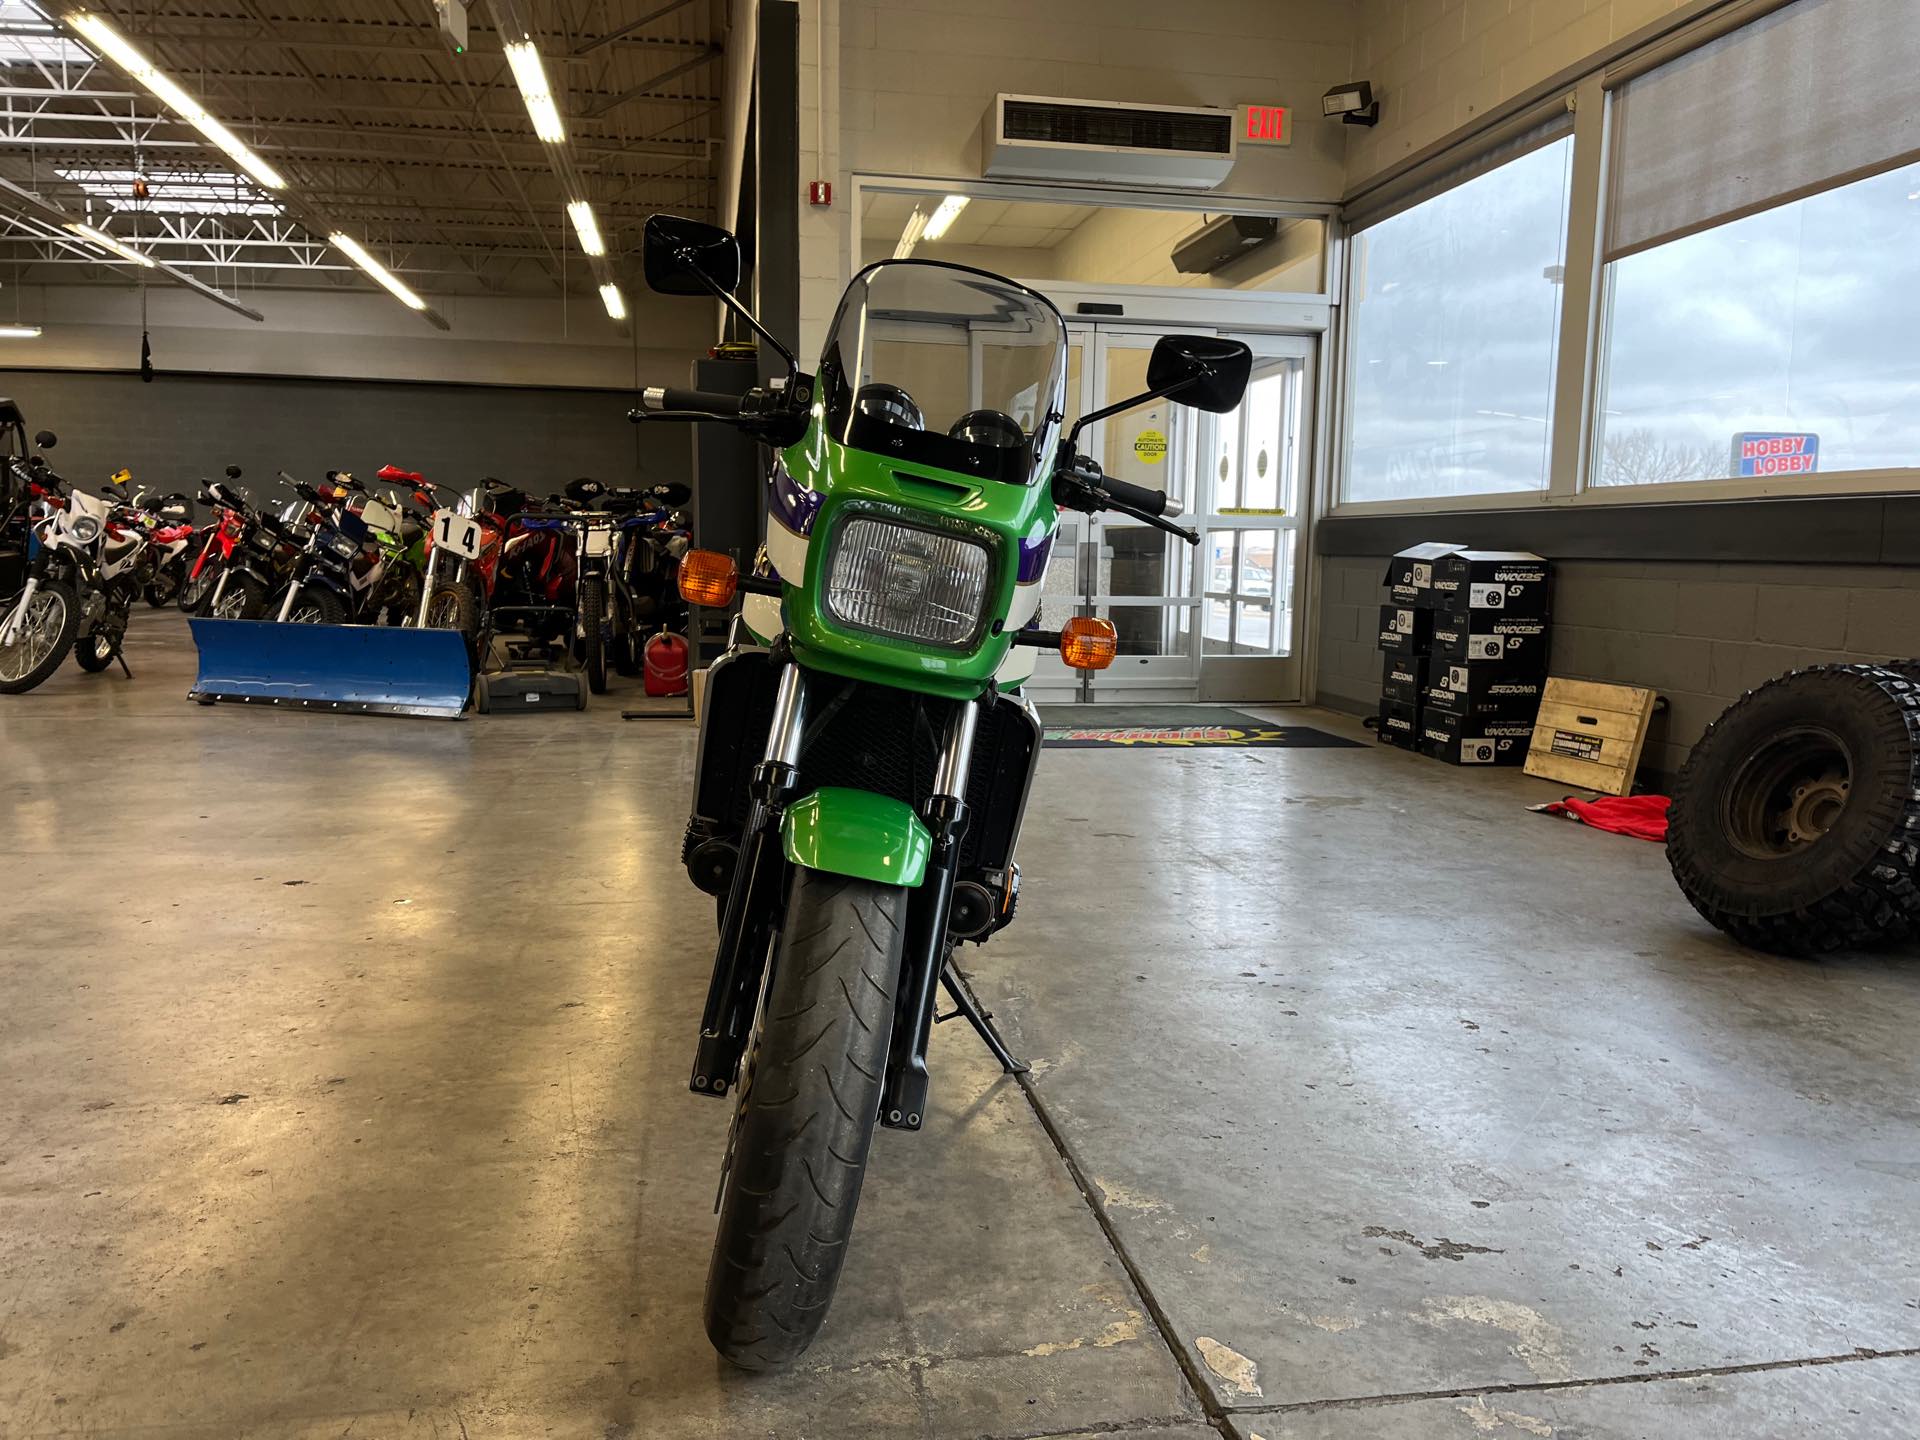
(1159, 522)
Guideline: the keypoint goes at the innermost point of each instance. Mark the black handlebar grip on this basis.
(669, 397)
(1154, 502)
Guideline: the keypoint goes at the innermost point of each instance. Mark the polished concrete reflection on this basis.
(343, 1090)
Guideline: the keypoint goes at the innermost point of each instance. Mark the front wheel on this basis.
(245, 598)
(317, 605)
(804, 1118)
(593, 635)
(195, 589)
(42, 640)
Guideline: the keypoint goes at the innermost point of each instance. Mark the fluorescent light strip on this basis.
(944, 214)
(532, 80)
(107, 242)
(586, 227)
(351, 248)
(615, 302)
(114, 46)
(19, 332)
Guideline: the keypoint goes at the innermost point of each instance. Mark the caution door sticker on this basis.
(1150, 446)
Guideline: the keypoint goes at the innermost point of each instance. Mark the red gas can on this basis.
(666, 665)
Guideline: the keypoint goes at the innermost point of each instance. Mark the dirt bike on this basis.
(865, 752)
(360, 563)
(81, 582)
(614, 551)
(464, 544)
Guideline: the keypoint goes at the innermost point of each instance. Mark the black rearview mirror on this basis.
(672, 493)
(233, 472)
(46, 440)
(678, 253)
(1204, 372)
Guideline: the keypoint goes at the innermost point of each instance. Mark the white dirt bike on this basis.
(81, 582)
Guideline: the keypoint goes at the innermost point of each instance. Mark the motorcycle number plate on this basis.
(599, 542)
(456, 534)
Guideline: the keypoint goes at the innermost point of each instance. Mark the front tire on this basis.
(1795, 825)
(317, 605)
(245, 598)
(593, 635)
(46, 634)
(804, 1118)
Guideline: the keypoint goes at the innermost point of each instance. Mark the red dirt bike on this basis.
(465, 541)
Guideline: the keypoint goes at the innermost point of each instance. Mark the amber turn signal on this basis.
(708, 578)
(1088, 644)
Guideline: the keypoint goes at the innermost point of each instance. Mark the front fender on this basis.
(857, 833)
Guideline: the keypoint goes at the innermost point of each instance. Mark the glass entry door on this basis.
(1215, 621)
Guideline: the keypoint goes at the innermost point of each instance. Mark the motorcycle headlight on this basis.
(262, 540)
(343, 547)
(85, 529)
(907, 583)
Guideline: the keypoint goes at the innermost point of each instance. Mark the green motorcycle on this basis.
(865, 751)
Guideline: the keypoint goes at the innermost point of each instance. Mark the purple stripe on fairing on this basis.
(795, 506)
(1033, 560)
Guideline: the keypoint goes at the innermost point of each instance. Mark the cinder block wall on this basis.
(1701, 633)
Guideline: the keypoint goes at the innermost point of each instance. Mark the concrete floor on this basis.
(343, 1091)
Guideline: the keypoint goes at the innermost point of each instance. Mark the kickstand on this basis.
(981, 1020)
(123, 664)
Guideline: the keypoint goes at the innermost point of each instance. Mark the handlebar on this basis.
(1139, 497)
(659, 398)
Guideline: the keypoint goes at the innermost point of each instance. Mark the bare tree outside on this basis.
(1641, 457)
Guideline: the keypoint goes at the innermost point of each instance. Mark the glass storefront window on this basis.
(1454, 314)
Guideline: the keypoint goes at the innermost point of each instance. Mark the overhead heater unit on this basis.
(1033, 137)
(1223, 240)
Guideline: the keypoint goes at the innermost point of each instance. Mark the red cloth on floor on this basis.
(1642, 816)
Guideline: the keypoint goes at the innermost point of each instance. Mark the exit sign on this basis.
(1266, 125)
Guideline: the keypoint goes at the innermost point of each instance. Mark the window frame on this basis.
(1580, 367)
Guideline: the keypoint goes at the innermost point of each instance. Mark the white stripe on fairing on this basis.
(1026, 605)
(786, 550)
(762, 614)
(1018, 666)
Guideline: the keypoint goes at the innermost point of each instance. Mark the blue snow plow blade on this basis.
(361, 669)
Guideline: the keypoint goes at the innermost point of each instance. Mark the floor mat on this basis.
(1174, 727)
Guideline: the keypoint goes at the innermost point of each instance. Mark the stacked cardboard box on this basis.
(1488, 661)
(1406, 638)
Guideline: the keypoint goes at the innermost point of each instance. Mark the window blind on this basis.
(1810, 96)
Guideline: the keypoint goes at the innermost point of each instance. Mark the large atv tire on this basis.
(1795, 824)
(804, 1118)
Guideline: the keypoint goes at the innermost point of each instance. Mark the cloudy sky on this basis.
(1803, 318)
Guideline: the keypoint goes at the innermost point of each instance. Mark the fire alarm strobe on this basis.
(819, 192)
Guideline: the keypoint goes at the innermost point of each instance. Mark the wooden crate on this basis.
(1590, 735)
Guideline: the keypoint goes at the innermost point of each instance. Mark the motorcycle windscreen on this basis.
(948, 367)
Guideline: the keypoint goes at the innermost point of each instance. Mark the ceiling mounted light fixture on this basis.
(110, 43)
(615, 302)
(944, 214)
(586, 227)
(531, 77)
(107, 242)
(354, 251)
(19, 332)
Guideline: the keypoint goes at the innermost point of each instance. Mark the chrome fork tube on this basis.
(950, 776)
(219, 588)
(789, 718)
(19, 613)
(426, 587)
